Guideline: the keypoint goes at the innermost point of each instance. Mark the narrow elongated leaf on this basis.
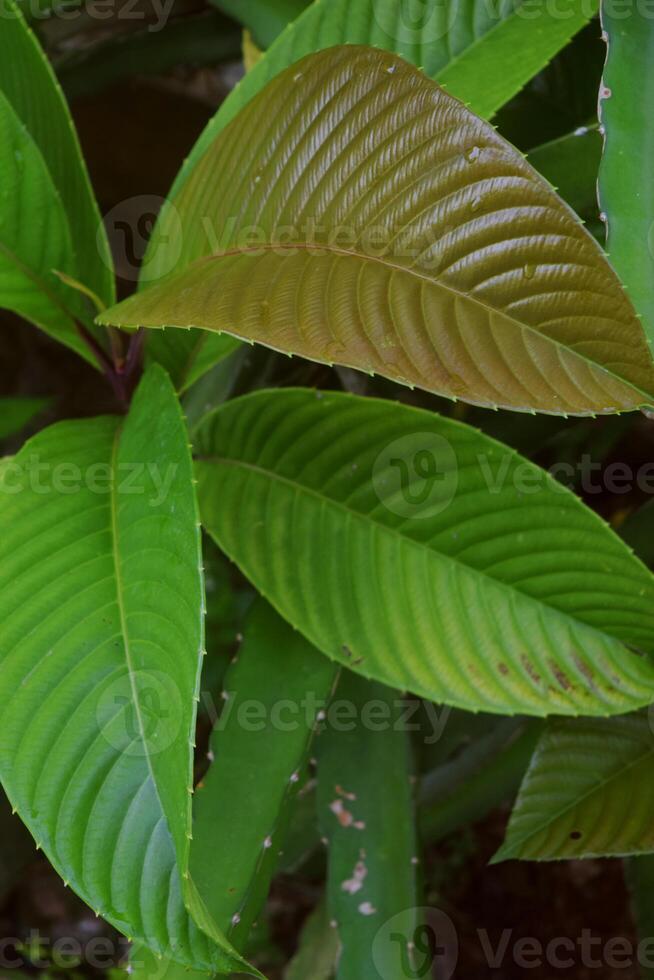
(626, 190)
(29, 84)
(15, 413)
(427, 555)
(35, 236)
(374, 222)
(100, 642)
(273, 694)
(587, 792)
(483, 52)
(366, 810)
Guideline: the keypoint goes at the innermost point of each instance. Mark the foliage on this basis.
(382, 574)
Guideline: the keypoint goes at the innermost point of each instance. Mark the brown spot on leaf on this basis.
(531, 670)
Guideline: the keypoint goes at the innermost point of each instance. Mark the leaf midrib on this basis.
(367, 519)
(123, 620)
(437, 283)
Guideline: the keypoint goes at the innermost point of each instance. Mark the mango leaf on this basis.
(101, 637)
(483, 53)
(29, 84)
(273, 693)
(374, 222)
(587, 792)
(366, 811)
(15, 413)
(451, 568)
(626, 190)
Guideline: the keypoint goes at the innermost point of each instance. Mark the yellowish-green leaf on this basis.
(427, 556)
(587, 793)
(371, 220)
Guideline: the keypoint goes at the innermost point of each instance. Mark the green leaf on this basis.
(587, 792)
(273, 693)
(187, 357)
(34, 237)
(318, 949)
(396, 233)
(366, 811)
(457, 569)
(571, 164)
(101, 636)
(484, 53)
(626, 189)
(15, 413)
(265, 19)
(29, 84)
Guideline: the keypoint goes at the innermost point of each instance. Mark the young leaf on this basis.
(626, 190)
(374, 222)
(426, 555)
(587, 792)
(272, 696)
(483, 53)
(15, 413)
(29, 84)
(100, 636)
(366, 811)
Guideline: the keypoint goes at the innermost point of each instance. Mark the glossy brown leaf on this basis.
(356, 213)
